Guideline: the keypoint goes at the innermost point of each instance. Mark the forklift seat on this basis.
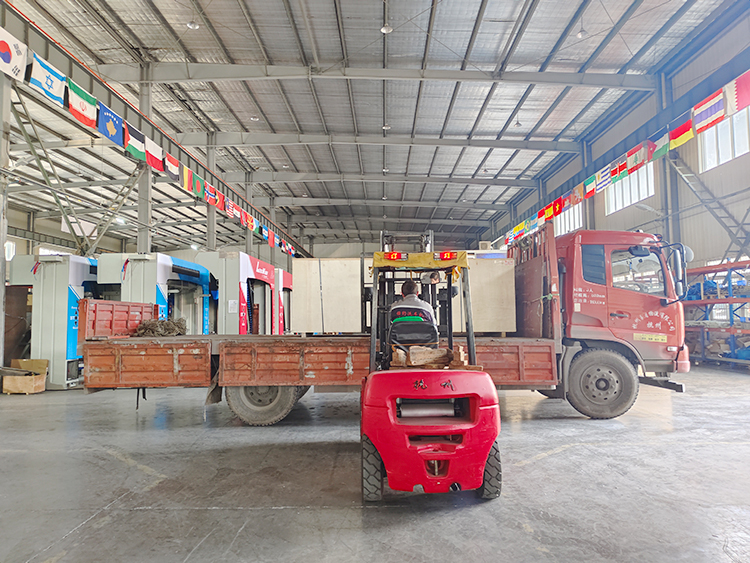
(403, 334)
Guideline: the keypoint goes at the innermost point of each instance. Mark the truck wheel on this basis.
(372, 472)
(263, 405)
(492, 482)
(301, 390)
(602, 384)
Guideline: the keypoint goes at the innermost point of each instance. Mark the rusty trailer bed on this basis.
(185, 361)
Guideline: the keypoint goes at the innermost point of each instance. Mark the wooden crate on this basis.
(26, 384)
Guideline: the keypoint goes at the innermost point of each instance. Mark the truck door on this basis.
(634, 301)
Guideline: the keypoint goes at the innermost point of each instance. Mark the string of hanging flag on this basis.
(85, 108)
(725, 102)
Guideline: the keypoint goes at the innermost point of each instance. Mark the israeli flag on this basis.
(48, 80)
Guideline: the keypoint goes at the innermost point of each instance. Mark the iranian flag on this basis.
(81, 104)
(589, 186)
(133, 141)
(154, 155)
(172, 167)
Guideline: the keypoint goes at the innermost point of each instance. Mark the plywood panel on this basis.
(492, 297)
(336, 283)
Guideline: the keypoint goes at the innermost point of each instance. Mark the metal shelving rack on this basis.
(725, 296)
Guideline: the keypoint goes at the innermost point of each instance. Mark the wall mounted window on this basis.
(631, 189)
(727, 140)
(569, 220)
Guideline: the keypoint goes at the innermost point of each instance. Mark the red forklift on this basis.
(430, 430)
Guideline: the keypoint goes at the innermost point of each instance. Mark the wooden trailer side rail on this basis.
(99, 319)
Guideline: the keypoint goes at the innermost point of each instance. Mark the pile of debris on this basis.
(155, 327)
(432, 358)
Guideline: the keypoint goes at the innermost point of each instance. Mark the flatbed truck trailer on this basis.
(598, 312)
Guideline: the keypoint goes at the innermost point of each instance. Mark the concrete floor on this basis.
(86, 478)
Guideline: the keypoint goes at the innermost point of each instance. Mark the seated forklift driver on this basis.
(412, 320)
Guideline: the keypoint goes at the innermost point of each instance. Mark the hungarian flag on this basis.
(81, 104)
(738, 94)
(603, 179)
(199, 187)
(45, 78)
(681, 130)
(620, 170)
(154, 155)
(187, 179)
(219, 200)
(133, 141)
(614, 172)
(172, 167)
(657, 144)
(210, 195)
(709, 112)
(229, 208)
(589, 186)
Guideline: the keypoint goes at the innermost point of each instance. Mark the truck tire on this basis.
(492, 482)
(602, 384)
(263, 405)
(301, 390)
(372, 472)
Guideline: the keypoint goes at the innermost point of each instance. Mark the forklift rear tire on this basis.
(492, 483)
(263, 405)
(602, 384)
(372, 472)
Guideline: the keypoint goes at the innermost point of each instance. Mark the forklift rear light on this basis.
(402, 256)
(445, 255)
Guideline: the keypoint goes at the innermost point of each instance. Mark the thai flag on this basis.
(709, 112)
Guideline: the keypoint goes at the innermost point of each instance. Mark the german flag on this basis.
(681, 130)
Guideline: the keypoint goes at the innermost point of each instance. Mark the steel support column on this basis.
(249, 236)
(5, 90)
(144, 184)
(272, 213)
(210, 209)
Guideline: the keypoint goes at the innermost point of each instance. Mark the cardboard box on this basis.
(27, 384)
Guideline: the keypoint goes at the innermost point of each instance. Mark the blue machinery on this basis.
(179, 287)
(58, 282)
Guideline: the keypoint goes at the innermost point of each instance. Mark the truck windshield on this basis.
(637, 273)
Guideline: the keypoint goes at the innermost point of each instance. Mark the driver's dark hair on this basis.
(409, 287)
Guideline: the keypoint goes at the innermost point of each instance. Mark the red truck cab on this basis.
(617, 288)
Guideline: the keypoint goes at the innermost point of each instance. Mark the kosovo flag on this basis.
(109, 124)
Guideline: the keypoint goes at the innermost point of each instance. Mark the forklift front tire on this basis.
(372, 472)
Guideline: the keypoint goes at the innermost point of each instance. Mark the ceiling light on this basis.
(192, 24)
(385, 197)
(285, 166)
(385, 216)
(386, 29)
(194, 246)
(254, 118)
(120, 220)
(386, 127)
(517, 124)
(385, 170)
(304, 195)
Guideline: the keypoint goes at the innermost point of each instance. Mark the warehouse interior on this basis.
(219, 160)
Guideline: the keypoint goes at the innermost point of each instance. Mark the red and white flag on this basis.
(738, 93)
(229, 208)
(154, 155)
(210, 194)
(219, 200)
